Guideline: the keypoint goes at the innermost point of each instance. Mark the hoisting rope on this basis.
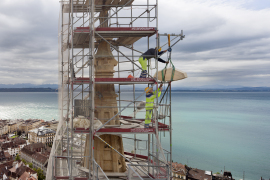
(169, 40)
(163, 72)
(163, 108)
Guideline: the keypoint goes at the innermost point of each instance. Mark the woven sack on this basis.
(178, 75)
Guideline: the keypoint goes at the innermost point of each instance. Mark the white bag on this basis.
(178, 75)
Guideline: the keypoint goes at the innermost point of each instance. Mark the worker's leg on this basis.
(143, 74)
(143, 62)
(148, 116)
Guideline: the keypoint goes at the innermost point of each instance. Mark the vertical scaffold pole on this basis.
(170, 166)
(92, 86)
(62, 75)
(156, 113)
(149, 136)
(70, 109)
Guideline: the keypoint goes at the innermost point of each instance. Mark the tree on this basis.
(17, 158)
(31, 165)
(24, 161)
(40, 174)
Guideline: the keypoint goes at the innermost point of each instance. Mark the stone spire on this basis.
(105, 95)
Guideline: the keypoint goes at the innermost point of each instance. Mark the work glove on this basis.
(170, 49)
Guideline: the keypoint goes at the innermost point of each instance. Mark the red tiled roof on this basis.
(3, 171)
(20, 170)
(13, 169)
(198, 174)
(179, 168)
(24, 176)
(7, 155)
(35, 145)
(40, 158)
(27, 151)
(32, 178)
(8, 164)
(19, 141)
(5, 146)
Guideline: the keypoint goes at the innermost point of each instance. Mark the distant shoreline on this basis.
(140, 90)
(220, 90)
(28, 90)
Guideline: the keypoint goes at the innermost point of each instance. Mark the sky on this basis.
(227, 42)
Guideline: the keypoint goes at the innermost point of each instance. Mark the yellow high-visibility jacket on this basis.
(150, 98)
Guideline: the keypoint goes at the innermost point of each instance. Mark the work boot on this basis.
(143, 74)
(146, 126)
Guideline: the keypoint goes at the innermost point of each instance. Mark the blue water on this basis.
(29, 105)
(211, 131)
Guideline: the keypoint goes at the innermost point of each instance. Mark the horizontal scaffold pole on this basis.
(176, 36)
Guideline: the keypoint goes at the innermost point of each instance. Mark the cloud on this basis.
(221, 38)
(28, 44)
(227, 41)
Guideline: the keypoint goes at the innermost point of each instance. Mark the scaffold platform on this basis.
(79, 80)
(123, 35)
(82, 6)
(132, 159)
(135, 126)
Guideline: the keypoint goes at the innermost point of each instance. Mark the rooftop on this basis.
(42, 131)
(39, 157)
(199, 174)
(179, 168)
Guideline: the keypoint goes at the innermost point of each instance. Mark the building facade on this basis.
(18, 172)
(3, 127)
(13, 146)
(26, 154)
(40, 161)
(37, 154)
(30, 124)
(179, 171)
(42, 134)
(12, 127)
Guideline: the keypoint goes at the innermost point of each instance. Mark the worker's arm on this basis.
(162, 52)
(161, 60)
(155, 93)
(159, 91)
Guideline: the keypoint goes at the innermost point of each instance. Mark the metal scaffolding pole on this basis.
(92, 85)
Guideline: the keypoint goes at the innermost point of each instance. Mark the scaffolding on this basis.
(125, 28)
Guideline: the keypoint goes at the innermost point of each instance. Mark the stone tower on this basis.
(108, 159)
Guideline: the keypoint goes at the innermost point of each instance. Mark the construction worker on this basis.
(150, 53)
(150, 98)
